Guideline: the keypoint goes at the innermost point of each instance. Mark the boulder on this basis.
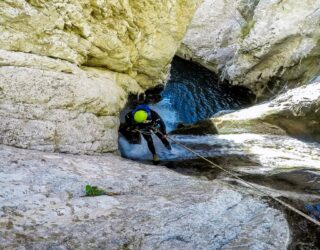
(42, 207)
(267, 46)
(202, 127)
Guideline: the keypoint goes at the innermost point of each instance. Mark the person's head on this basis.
(140, 116)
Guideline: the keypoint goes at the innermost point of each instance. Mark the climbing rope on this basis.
(283, 203)
(248, 184)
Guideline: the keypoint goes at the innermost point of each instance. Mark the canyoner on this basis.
(191, 124)
(144, 121)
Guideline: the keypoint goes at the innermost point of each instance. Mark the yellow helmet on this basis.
(140, 116)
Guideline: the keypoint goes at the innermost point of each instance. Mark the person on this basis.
(145, 121)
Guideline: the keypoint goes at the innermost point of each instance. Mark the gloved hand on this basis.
(156, 126)
(131, 129)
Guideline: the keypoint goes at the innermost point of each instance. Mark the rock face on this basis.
(67, 67)
(52, 105)
(151, 207)
(296, 113)
(262, 154)
(137, 38)
(264, 45)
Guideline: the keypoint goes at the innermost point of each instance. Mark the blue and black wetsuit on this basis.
(154, 123)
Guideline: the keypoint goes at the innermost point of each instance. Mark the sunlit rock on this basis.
(151, 207)
(296, 113)
(52, 105)
(265, 45)
(267, 153)
(67, 67)
(138, 38)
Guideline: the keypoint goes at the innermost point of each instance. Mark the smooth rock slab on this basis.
(41, 207)
(296, 112)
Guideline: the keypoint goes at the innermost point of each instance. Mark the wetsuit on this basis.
(154, 123)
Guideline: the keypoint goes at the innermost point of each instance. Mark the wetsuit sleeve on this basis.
(128, 120)
(156, 119)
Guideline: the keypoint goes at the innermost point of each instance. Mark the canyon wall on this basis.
(67, 67)
(267, 46)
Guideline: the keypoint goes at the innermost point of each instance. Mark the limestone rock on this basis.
(52, 105)
(67, 67)
(261, 44)
(296, 113)
(252, 153)
(41, 207)
(138, 38)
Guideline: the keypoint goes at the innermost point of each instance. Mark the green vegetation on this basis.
(94, 191)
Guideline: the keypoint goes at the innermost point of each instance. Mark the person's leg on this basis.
(164, 140)
(151, 147)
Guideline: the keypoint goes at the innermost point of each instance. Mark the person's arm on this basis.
(158, 121)
(128, 121)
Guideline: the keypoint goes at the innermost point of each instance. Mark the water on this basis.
(193, 93)
(280, 164)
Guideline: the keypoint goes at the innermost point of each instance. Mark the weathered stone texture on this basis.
(55, 111)
(264, 45)
(67, 67)
(138, 38)
(151, 207)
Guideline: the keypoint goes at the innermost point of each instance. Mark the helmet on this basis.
(140, 116)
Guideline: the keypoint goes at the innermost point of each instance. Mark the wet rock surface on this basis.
(294, 113)
(41, 207)
(282, 166)
(203, 127)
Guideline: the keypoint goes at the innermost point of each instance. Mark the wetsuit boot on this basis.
(155, 158)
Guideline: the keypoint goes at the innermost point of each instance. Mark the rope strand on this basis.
(283, 203)
(249, 184)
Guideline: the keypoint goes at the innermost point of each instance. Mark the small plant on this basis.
(94, 191)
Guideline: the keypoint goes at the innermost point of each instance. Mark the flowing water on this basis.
(273, 162)
(193, 93)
